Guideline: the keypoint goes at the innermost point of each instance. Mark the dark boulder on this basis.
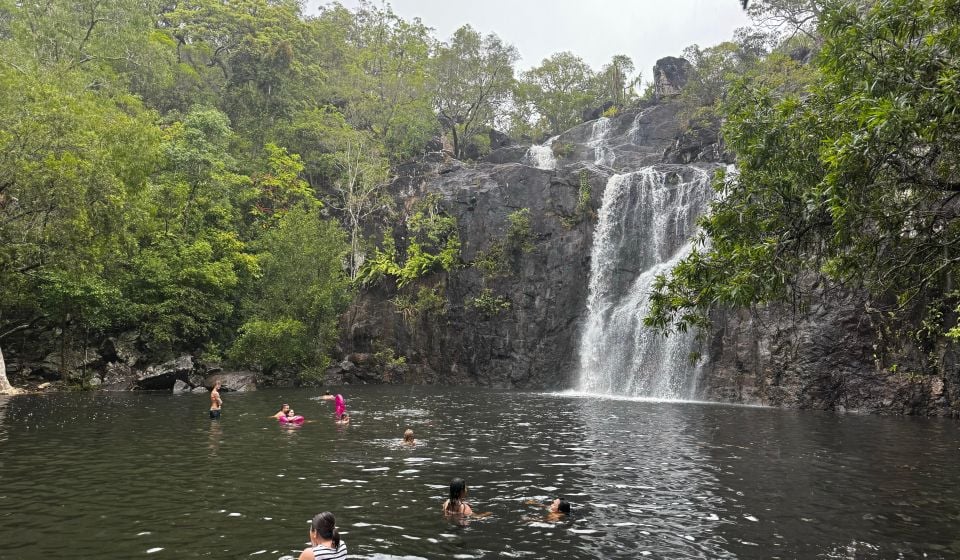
(163, 377)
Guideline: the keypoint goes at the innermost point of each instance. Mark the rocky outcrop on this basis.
(233, 381)
(823, 358)
(670, 74)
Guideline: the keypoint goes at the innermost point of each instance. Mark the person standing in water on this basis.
(325, 543)
(215, 402)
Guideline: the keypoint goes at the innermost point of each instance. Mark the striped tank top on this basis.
(321, 552)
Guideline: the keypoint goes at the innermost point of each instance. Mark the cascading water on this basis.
(541, 156)
(602, 154)
(646, 223)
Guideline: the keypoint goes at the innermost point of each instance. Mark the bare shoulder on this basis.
(307, 554)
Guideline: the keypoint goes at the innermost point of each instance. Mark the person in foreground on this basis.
(456, 504)
(215, 402)
(325, 543)
(408, 437)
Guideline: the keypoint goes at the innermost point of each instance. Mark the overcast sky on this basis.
(595, 30)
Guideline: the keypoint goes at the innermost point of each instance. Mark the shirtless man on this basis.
(215, 402)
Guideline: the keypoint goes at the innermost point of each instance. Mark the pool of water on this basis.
(127, 475)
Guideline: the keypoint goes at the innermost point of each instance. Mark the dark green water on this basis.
(150, 476)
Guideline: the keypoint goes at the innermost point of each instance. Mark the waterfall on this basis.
(541, 155)
(602, 154)
(646, 223)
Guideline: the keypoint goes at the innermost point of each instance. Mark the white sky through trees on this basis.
(594, 30)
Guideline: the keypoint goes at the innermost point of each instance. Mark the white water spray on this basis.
(541, 156)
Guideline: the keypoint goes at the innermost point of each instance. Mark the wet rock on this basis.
(499, 139)
(181, 387)
(123, 348)
(118, 377)
(233, 381)
(163, 377)
(71, 364)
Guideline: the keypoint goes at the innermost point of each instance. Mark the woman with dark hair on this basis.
(456, 504)
(324, 540)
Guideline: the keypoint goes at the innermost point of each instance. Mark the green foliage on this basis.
(846, 170)
(434, 246)
(583, 210)
(504, 254)
(300, 293)
(611, 112)
(427, 301)
(488, 304)
(562, 149)
(519, 233)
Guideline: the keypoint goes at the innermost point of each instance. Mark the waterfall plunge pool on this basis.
(149, 475)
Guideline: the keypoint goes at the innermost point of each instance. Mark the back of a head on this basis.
(325, 526)
(408, 435)
(457, 489)
(563, 507)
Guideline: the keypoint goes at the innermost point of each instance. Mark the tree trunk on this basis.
(5, 386)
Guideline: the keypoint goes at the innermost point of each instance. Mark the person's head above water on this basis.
(458, 489)
(324, 526)
(408, 435)
(560, 506)
(284, 408)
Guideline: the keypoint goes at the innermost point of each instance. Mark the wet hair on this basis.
(408, 435)
(458, 489)
(563, 507)
(325, 526)
(284, 405)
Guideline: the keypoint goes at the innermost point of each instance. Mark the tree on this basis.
(300, 294)
(852, 177)
(616, 83)
(558, 91)
(475, 79)
(390, 81)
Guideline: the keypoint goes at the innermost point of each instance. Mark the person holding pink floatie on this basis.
(340, 406)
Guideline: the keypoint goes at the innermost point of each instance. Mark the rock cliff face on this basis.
(530, 340)
(824, 358)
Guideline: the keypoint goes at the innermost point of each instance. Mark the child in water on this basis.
(345, 419)
(556, 511)
(408, 437)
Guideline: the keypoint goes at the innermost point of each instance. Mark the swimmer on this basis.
(215, 401)
(556, 511)
(341, 406)
(327, 396)
(345, 419)
(408, 437)
(325, 543)
(284, 411)
(456, 504)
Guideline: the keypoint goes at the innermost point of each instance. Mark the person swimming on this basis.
(284, 411)
(556, 511)
(345, 419)
(408, 437)
(456, 504)
(325, 543)
(341, 406)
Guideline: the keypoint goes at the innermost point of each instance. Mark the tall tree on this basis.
(558, 91)
(475, 79)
